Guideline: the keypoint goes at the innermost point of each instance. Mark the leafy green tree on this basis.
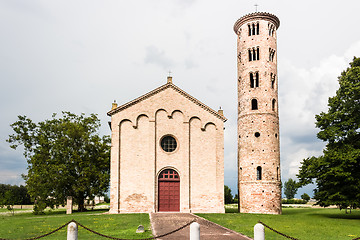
(66, 157)
(336, 173)
(305, 197)
(8, 199)
(227, 195)
(290, 188)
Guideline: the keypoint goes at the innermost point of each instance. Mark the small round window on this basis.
(168, 144)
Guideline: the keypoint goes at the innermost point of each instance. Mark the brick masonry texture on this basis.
(137, 158)
(258, 130)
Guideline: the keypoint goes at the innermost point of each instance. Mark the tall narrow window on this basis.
(271, 55)
(252, 85)
(273, 104)
(254, 104)
(257, 53)
(257, 79)
(257, 29)
(249, 30)
(250, 55)
(254, 54)
(253, 29)
(272, 79)
(239, 56)
(258, 173)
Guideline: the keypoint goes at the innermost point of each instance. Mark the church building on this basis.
(167, 154)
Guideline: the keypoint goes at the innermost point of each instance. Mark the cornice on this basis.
(160, 89)
(256, 16)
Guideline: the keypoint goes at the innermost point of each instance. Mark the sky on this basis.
(81, 55)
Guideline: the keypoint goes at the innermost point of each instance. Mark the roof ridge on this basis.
(159, 89)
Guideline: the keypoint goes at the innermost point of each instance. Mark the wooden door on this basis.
(169, 191)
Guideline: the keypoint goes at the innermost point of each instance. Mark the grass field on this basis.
(27, 225)
(301, 223)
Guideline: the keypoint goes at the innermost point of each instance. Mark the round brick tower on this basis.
(258, 114)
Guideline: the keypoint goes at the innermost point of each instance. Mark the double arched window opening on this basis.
(254, 29)
(254, 80)
(254, 54)
(271, 30)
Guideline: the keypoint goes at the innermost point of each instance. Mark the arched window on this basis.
(254, 104)
(257, 79)
(257, 53)
(257, 29)
(250, 55)
(252, 85)
(258, 173)
(253, 29)
(249, 30)
(273, 104)
(271, 54)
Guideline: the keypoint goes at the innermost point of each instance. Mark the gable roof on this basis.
(160, 89)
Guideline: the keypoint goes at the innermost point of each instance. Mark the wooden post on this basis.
(259, 232)
(72, 231)
(194, 231)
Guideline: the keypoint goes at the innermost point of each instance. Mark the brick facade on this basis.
(137, 158)
(258, 115)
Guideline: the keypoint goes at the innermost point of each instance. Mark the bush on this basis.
(293, 201)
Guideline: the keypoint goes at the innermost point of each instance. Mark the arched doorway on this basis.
(169, 191)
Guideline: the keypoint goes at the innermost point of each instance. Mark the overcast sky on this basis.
(81, 55)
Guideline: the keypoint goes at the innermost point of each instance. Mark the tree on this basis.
(305, 197)
(227, 195)
(290, 188)
(336, 173)
(66, 157)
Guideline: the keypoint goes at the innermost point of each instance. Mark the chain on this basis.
(155, 237)
(102, 235)
(47, 234)
(282, 234)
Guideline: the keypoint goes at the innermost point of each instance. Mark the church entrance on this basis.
(169, 191)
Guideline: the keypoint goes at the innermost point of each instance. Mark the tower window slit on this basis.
(273, 104)
(250, 55)
(257, 79)
(254, 104)
(258, 173)
(257, 53)
(257, 29)
(249, 30)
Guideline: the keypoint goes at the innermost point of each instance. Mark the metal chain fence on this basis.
(47, 234)
(272, 229)
(103, 235)
(287, 236)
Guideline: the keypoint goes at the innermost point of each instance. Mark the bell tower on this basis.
(259, 180)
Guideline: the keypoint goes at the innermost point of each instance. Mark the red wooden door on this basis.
(169, 191)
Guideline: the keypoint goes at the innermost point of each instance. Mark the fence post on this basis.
(72, 231)
(259, 232)
(194, 231)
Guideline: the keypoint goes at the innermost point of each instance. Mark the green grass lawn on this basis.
(301, 223)
(27, 225)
